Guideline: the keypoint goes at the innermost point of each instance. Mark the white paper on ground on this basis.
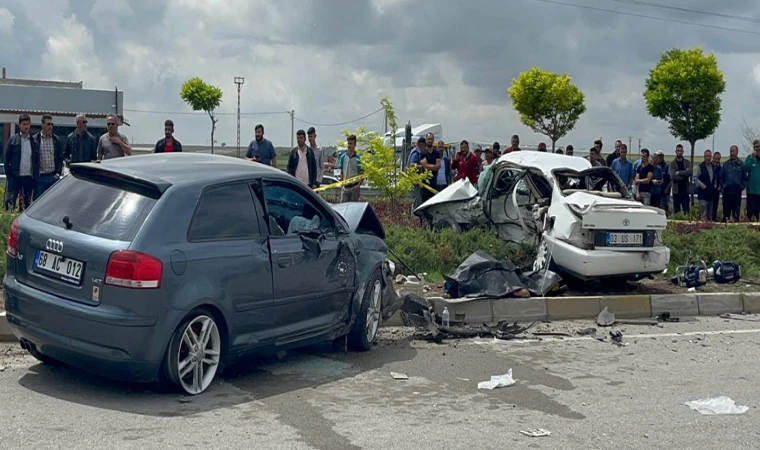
(717, 405)
(498, 381)
(536, 432)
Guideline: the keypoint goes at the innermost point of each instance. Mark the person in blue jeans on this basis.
(623, 167)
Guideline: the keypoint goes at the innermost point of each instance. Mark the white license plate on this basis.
(66, 268)
(625, 239)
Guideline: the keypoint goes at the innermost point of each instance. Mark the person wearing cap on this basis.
(569, 150)
(415, 156)
(542, 147)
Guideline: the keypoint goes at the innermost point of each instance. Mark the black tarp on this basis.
(482, 275)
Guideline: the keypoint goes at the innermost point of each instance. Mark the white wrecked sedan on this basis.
(564, 205)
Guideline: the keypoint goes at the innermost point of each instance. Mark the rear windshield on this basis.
(93, 208)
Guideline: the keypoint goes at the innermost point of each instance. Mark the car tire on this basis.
(364, 330)
(448, 223)
(194, 355)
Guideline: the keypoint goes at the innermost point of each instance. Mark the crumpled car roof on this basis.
(545, 162)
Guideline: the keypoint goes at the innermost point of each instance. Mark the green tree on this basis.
(684, 90)
(202, 97)
(380, 163)
(548, 103)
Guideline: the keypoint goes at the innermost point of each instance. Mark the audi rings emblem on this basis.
(626, 222)
(54, 246)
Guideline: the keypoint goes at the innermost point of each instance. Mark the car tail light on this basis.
(13, 239)
(134, 270)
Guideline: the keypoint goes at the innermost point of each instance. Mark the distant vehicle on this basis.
(167, 267)
(559, 202)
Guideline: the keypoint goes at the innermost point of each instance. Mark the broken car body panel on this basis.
(581, 218)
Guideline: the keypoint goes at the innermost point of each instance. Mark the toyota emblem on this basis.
(54, 246)
(626, 222)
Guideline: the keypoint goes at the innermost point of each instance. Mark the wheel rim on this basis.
(373, 311)
(198, 355)
(540, 261)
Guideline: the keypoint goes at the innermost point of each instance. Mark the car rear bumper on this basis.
(607, 263)
(120, 346)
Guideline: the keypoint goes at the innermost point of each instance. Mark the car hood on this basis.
(360, 217)
(459, 191)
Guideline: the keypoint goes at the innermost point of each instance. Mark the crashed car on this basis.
(167, 267)
(582, 219)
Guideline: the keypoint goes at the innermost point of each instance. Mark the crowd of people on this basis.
(650, 179)
(33, 163)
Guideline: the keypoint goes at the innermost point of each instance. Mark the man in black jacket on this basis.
(168, 144)
(81, 146)
(48, 168)
(22, 155)
(301, 162)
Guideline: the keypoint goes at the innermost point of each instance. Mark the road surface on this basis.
(589, 394)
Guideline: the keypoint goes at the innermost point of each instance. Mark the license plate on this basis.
(66, 269)
(623, 239)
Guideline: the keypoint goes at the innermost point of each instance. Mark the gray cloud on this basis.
(331, 60)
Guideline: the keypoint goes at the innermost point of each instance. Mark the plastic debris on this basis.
(617, 338)
(498, 381)
(399, 376)
(605, 318)
(746, 317)
(717, 405)
(536, 432)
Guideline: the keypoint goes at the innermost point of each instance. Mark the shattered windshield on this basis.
(601, 181)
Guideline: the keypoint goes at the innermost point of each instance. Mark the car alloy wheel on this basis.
(373, 311)
(198, 354)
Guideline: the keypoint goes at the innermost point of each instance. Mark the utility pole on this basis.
(639, 144)
(239, 82)
(713, 145)
(630, 142)
(385, 127)
(292, 113)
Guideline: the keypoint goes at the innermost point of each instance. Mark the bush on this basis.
(440, 252)
(6, 220)
(710, 241)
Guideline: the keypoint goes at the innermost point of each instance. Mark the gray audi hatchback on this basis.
(166, 267)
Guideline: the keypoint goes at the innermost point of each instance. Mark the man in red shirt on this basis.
(515, 145)
(466, 164)
(168, 144)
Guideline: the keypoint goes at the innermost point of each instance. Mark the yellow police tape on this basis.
(340, 183)
(358, 178)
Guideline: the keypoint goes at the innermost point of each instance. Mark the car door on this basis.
(313, 268)
(229, 254)
(509, 203)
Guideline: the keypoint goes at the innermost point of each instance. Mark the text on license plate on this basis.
(68, 269)
(625, 239)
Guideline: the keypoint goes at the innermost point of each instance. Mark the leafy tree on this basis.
(548, 103)
(684, 90)
(202, 97)
(379, 162)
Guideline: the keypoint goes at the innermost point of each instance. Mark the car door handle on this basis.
(284, 261)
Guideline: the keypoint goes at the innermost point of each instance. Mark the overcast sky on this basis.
(447, 61)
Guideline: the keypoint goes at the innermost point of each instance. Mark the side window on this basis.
(289, 212)
(224, 212)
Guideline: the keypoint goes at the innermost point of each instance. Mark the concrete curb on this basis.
(570, 308)
(6, 335)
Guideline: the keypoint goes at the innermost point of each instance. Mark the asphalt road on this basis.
(589, 394)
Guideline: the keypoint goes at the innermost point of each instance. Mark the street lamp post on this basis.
(239, 82)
